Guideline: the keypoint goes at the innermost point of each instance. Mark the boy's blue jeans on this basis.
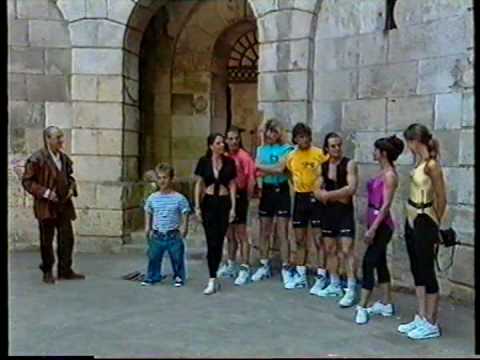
(158, 243)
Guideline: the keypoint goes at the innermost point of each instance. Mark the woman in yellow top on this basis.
(426, 208)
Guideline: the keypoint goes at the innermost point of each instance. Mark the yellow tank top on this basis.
(421, 192)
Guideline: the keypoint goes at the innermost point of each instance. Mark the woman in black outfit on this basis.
(215, 194)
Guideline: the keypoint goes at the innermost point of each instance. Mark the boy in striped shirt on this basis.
(166, 225)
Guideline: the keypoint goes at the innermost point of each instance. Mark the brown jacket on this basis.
(41, 174)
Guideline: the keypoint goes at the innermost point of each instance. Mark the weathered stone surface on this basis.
(364, 145)
(97, 168)
(184, 168)
(97, 61)
(462, 294)
(87, 194)
(260, 7)
(120, 10)
(26, 60)
(24, 114)
(289, 113)
(98, 244)
(97, 142)
(131, 91)
(364, 114)
(290, 55)
(22, 227)
(339, 85)
(133, 40)
(468, 110)
(306, 5)
(188, 125)
(411, 12)
(284, 25)
(283, 86)
(372, 49)
(110, 88)
(188, 147)
(48, 88)
(130, 146)
(463, 221)
(469, 29)
(439, 75)
(46, 33)
(433, 39)
(99, 222)
(110, 196)
(130, 170)
(464, 185)
(131, 66)
(58, 61)
(96, 115)
(339, 18)
(97, 33)
(389, 80)
(27, 9)
(72, 10)
(140, 18)
(327, 116)
(467, 148)
(188, 83)
(18, 32)
(404, 111)
(84, 87)
(182, 104)
(448, 111)
(96, 8)
(131, 117)
(449, 146)
(11, 10)
(335, 54)
(33, 140)
(17, 87)
(59, 114)
(463, 266)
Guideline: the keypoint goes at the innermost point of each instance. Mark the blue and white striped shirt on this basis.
(166, 210)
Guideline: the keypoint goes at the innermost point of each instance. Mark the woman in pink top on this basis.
(381, 190)
(237, 235)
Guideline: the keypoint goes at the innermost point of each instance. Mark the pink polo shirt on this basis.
(245, 169)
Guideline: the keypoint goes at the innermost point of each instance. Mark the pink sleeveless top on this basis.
(375, 202)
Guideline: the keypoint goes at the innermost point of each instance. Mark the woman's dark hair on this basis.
(210, 140)
(236, 130)
(301, 129)
(329, 136)
(421, 134)
(393, 147)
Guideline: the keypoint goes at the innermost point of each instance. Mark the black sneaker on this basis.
(178, 282)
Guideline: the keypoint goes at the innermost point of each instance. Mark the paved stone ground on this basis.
(109, 317)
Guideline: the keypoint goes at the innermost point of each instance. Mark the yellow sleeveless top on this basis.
(421, 192)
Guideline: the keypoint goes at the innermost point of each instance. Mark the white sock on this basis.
(321, 272)
(230, 262)
(301, 270)
(334, 279)
(264, 262)
(245, 265)
(351, 283)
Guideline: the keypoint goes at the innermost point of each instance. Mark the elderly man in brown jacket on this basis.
(48, 177)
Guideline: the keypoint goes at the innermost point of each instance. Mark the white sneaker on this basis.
(406, 328)
(286, 274)
(348, 299)
(331, 290)
(226, 271)
(263, 272)
(320, 283)
(424, 330)
(380, 309)
(243, 276)
(211, 288)
(361, 316)
(297, 281)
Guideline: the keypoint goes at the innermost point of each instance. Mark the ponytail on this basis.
(433, 148)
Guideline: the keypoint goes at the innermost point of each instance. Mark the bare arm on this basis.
(352, 184)
(391, 183)
(198, 192)
(232, 186)
(148, 223)
(435, 172)
(184, 225)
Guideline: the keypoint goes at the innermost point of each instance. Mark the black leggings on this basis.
(376, 258)
(215, 212)
(420, 247)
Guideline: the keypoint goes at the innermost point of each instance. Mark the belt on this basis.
(277, 187)
(167, 233)
(420, 205)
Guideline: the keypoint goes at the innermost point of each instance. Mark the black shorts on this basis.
(241, 207)
(275, 201)
(307, 209)
(338, 220)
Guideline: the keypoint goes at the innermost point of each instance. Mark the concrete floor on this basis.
(109, 317)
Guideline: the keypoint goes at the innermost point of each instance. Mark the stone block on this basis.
(372, 49)
(305, 5)
(110, 196)
(285, 25)
(59, 114)
(130, 170)
(388, 80)
(467, 148)
(261, 7)
(131, 91)
(339, 18)
(463, 266)
(289, 112)
(52, 34)
(131, 117)
(469, 29)
(140, 18)
(99, 222)
(96, 8)
(291, 86)
(120, 10)
(110, 88)
(17, 87)
(18, 32)
(90, 244)
(182, 104)
(84, 87)
(131, 66)
(449, 146)
(188, 148)
(364, 114)
(97, 61)
(72, 10)
(23, 227)
(131, 143)
(97, 33)
(432, 39)
(97, 168)
(27, 9)
(188, 125)
(462, 294)
(26, 60)
(33, 140)
(84, 32)
(463, 221)
(24, 114)
(468, 110)
(448, 111)
(363, 142)
(97, 142)
(403, 111)
(184, 168)
(16, 193)
(11, 10)
(289, 55)
(327, 116)
(48, 88)
(110, 34)
(133, 40)
(87, 194)
(410, 12)
(464, 183)
(439, 75)
(337, 53)
(191, 83)
(58, 61)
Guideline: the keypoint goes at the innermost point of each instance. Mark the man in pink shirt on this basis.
(237, 232)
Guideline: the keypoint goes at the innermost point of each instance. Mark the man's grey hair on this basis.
(50, 131)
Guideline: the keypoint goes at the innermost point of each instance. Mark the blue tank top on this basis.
(271, 155)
